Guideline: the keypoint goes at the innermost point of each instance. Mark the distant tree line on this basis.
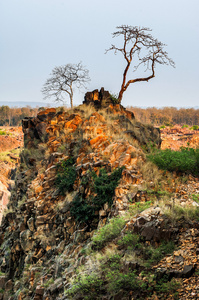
(166, 116)
(152, 115)
(13, 116)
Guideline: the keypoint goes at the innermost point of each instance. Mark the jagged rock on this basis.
(187, 271)
(25, 241)
(43, 233)
(8, 285)
(98, 98)
(3, 280)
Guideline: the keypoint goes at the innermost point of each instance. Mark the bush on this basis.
(154, 255)
(194, 127)
(103, 186)
(87, 286)
(114, 99)
(129, 239)
(66, 176)
(2, 132)
(165, 287)
(185, 161)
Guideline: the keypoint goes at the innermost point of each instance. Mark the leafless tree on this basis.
(139, 45)
(62, 80)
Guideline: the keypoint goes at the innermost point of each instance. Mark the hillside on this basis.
(90, 218)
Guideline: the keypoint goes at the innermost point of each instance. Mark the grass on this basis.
(87, 286)
(110, 275)
(177, 213)
(107, 233)
(2, 132)
(138, 207)
(195, 198)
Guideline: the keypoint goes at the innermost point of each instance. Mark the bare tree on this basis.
(141, 46)
(62, 80)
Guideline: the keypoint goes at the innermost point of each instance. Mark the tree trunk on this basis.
(71, 96)
(120, 95)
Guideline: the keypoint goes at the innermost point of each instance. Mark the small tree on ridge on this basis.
(62, 80)
(138, 41)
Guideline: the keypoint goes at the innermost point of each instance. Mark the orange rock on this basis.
(47, 111)
(38, 189)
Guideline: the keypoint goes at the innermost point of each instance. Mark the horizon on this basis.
(18, 104)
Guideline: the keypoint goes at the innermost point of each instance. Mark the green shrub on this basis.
(185, 161)
(118, 281)
(66, 176)
(185, 126)
(195, 197)
(82, 209)
(3, 132)
(88, 286)
(164, 287)
(114, 98)
(194, 127)
(107, 232)
(103, 186)
(129, 239)
(154, 255)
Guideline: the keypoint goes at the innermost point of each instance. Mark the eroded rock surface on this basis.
(44, 235)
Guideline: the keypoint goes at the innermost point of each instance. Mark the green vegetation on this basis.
(178, 213)
(114, 99)
(103, 186)
(164, 286)
(48, 282)
(89, 286)
(115, 271)
(66, 176)
(3, 132)
(138, 207)
(5, 155)
(185, 161)
(195, 197)
(107, 233)
(154, 255)
(194, 127)
(129, 240)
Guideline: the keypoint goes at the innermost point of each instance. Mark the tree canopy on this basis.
(62, 80)
(140, 47)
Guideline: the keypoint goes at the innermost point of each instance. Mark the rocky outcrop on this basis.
(78, 169)
(176, 137)
(100, 99)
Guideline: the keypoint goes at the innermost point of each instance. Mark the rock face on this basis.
(78, 169)
(97, 98)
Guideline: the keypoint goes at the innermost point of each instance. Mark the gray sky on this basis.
(37, 35)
